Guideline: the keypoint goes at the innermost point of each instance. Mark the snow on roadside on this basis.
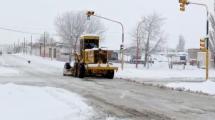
(41, 103)
(161, 72)
(7, 70)
(41, 60)
(207, 87)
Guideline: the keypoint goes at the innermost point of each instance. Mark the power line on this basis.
(24, 32)
(19, 31)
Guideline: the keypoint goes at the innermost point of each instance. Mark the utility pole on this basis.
(17, 46)
(24, 46)
(51, 49)
(31, 45)
(40, 49)
(44, 45)
(14, 47)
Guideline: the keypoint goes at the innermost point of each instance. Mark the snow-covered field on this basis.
(41, 103)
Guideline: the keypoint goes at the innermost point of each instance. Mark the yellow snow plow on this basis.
(92, 60)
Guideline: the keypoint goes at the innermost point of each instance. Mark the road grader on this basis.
(91, 60)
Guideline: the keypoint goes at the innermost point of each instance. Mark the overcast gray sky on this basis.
(39, 16)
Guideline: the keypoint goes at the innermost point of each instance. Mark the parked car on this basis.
(178, 60)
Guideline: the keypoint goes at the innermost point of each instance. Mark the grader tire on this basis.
(110, 74)
(75, 72)
(81, 71)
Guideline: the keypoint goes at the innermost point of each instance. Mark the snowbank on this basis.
(42, 60)
(41, 103)
(160, 72)
(204, 87)
(7, 70)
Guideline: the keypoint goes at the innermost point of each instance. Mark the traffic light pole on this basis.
(207, 37)
(207, 52)
(123, 34)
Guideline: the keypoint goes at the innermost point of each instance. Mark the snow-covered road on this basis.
(115, 98)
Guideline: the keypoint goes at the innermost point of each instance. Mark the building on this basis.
(192, 56)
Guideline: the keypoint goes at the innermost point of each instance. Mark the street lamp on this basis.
(92, 13)
(207, 36)
(138, 42)
(186, 2)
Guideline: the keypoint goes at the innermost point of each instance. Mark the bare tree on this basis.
(212, 34)
(181, 44)
(150, 35)
(71, 25)
(46, 36)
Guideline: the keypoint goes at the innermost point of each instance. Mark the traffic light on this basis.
(121, 47)
(182, 4)
(202, 44)
(89, 13)
(182, 7)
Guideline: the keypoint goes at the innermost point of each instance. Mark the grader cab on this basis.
(92, 60)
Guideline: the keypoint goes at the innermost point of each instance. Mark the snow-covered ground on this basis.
(23, 102)
(41, 60)
(41, 103)
(204, 87)
(160, 72)
(7, 70)
(191, 78)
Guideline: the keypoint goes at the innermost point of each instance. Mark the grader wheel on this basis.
(75, 72)
(110, 74)
(81, 70)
